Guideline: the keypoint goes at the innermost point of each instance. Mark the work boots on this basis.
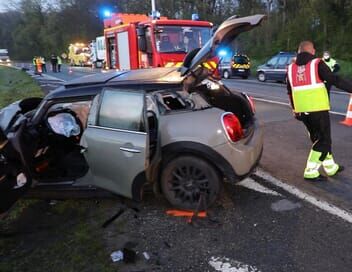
(311, 172)
(330, 167)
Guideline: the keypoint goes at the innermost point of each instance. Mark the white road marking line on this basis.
(321, 204)
(253, 185)
(287, 104)
(226, 265)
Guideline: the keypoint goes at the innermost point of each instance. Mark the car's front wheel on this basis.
(226, 74)
(261, 76)
(186, 179)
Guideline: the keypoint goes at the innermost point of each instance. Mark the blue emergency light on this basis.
(106, 13)
(195, 17)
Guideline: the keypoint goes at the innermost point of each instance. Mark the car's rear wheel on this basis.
(261, 76)
(226, 74)
(185, 179)
(244, 77)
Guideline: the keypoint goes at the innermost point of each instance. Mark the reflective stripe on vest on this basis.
(309, 93)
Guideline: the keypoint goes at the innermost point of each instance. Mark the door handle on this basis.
(131, 150)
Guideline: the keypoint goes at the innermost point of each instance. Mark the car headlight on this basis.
(8, 60)
(0, 60)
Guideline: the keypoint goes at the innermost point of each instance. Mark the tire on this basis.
(185, 178)
(261, 76)
(244, 77)
(226, 74)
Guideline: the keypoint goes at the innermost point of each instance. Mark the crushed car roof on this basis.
(154, 75)
(142, 79)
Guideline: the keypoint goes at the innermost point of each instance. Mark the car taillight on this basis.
(232, 127)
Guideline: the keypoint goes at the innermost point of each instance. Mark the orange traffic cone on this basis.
(348, 119)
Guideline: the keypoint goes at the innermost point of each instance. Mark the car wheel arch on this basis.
(261, 73)
(226, 74)
(188, 148)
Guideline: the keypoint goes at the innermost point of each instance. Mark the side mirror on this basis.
(142, 42)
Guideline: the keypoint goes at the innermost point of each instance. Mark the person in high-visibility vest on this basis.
(34, 61)
(42, 60)
(308, 83)
(330, 62)
(39, 65)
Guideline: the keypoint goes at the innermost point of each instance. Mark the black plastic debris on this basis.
(113, 218)
(129, 255)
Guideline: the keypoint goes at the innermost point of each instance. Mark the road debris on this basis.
(117, 256)
(113, 218)
(129, 255)
(146, 256)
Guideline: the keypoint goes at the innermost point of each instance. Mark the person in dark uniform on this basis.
(309, 81)
(53, 61)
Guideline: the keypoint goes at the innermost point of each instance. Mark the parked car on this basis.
(238, 65)
(4, 57)
(180, 130)
(275, 67)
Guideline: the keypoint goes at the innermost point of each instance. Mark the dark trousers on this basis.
(318, 126)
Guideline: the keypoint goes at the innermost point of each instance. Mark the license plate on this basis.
(240, 70)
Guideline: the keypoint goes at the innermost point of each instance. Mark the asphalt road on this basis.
(274, 221)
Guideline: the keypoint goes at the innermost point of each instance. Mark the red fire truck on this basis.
(135, 41)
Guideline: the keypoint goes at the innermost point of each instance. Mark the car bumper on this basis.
(244, 156)
(241, 72)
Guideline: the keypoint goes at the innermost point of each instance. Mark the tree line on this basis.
(44, 27)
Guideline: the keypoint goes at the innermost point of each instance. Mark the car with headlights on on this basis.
(179, 129)
(4, 57)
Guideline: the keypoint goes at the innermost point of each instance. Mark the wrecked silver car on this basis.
(182, 131)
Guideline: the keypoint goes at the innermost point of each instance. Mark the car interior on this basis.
(56, 153)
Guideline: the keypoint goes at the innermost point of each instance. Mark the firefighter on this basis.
(34, 62)
(308, 85)
(42, 60)
(330, 62)
(38, 62)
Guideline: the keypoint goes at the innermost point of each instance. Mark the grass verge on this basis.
(16, 85)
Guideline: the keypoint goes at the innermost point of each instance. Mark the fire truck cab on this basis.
(135, 41)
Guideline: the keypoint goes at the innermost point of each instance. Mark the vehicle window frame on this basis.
(143, 126)
(284, 63)
(242, 57)
(273, 65)
(83, 125)
(45, 105)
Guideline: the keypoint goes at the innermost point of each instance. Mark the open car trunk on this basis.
(224, 99)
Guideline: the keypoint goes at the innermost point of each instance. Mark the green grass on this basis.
(255, 62)
(16, 85)
(346, 69)
(63, 237)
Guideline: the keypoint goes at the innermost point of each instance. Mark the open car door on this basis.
(15, 179)
(225, 34)
(115, 143)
